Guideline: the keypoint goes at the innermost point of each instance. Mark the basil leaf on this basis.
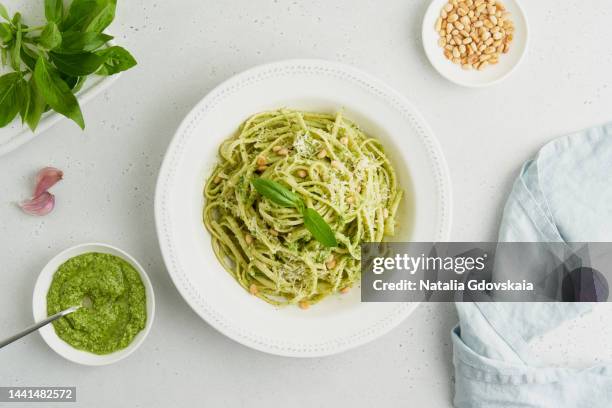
(50, 37)
(74, 42)
(6, 34)
(277, 193)
(74, 83)
(16, 18)
(29, 57)
(102, 19)
(56, 93)
(4, 13)
(77, 64)
(79, 84)
(116, 59)
(9, 104)
(319, 229)
(89, 15)
(16, 50)
(36, 107)
(54, 10)
(23, 98)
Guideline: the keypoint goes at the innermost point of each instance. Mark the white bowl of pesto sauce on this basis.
(122, 304)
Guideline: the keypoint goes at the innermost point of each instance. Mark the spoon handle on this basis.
(37, 326)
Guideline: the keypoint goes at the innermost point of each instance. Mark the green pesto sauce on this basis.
(118, 302)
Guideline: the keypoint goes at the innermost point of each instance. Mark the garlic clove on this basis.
(46, 178)
(40, 205)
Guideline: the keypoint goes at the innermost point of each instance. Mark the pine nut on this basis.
(253, 289)
(248, 238)
(283, 152)
(302, 173)
(322, 154)
(331, 264)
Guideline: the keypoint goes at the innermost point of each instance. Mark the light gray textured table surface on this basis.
(187, 47)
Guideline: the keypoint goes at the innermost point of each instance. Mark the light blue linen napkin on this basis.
(563, 195)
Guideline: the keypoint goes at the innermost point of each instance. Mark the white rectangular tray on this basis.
(15, 134)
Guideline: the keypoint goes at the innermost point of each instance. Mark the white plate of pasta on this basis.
(268, 188)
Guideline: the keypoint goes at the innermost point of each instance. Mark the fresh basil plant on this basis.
(50, 63)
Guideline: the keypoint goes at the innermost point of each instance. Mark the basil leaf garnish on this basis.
(319, 229)
(276, 192)
(280, 195)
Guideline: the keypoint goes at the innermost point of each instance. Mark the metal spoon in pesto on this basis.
(85, 303)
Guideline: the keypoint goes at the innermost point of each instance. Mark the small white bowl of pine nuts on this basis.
(475, 42)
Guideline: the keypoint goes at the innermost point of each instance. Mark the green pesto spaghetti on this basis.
(335, 168)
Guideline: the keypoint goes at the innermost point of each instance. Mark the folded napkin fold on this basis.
(563, 195)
